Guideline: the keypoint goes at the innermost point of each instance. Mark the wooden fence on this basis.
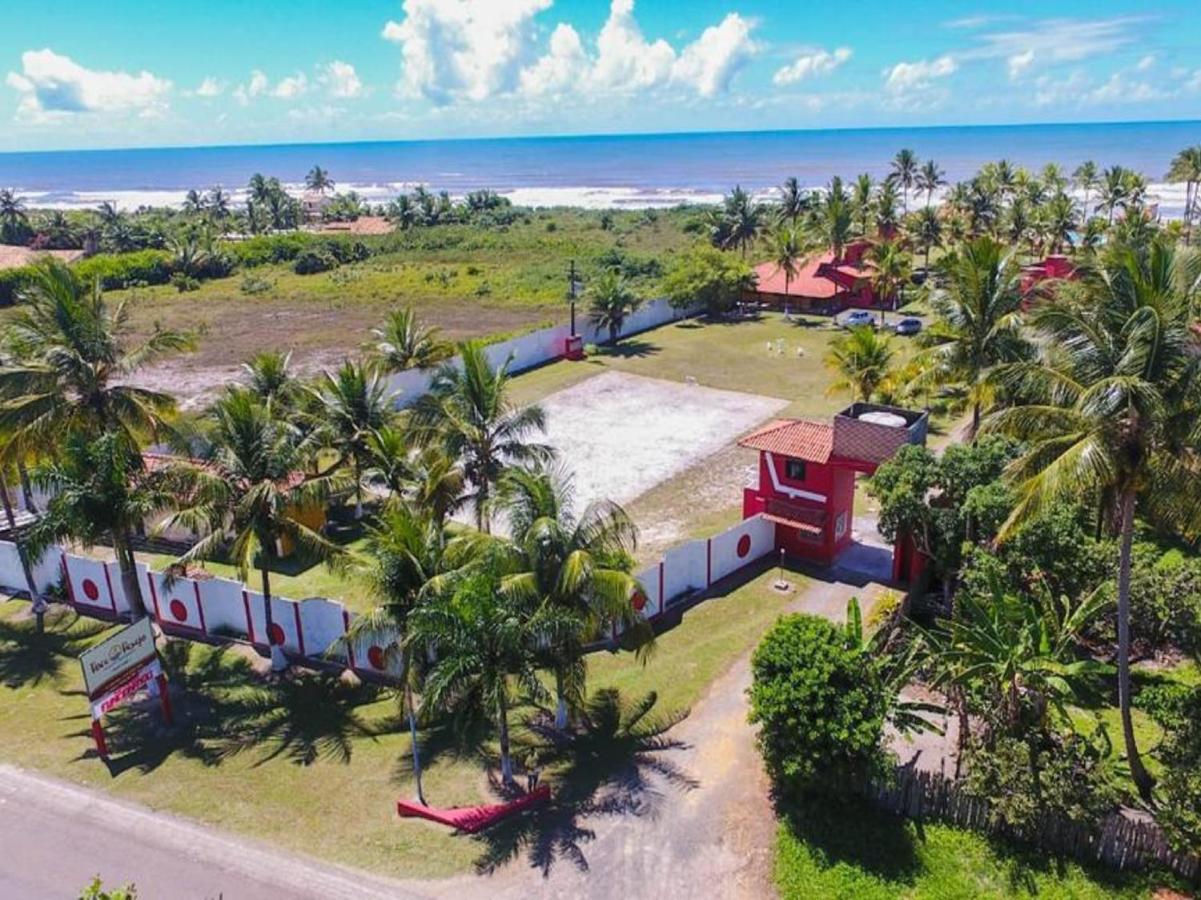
(1119, 841)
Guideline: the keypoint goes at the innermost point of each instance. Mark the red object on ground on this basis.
(473, 818)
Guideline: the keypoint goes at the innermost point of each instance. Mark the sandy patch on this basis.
(13, 257)
(623, 434)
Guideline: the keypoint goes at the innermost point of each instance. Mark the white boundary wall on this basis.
(217, 608)
(539, 347)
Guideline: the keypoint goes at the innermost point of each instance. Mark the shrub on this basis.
(821, 706)
(12, 281)
(183, 282)
(310, 262)
(255, 284)
(708, 278)
(267, 249)
(1177, 710)
(115, 271)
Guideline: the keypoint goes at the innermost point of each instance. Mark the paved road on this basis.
(56, 837)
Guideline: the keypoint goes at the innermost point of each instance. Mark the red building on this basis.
(807, 473)
(1053, 267)
(823, 284)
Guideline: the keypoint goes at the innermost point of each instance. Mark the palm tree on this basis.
(217, 204)
(14, 220)
(862, 360)
(1115, 191)
(893, 269)
(318, 180)
(350, 405)
(741, 220)
(468, 412)
(1186, 167)
(886, 209)
(792, 200)
(193, 202)
(787, 252)
(269, 377)
(423, 477)
(1057, 220)
(485, 643)
(929, 179)
(978, 323)
(905, 172)
(404, 342)
(579, 566)
(35, 596)
(1085, 178)
(250, 494)
(863, 201)
(832, 219)
(403, 213)
(612, 301)
(99, 491)
(925, 229)
(405, 553)
(71, 353)
(1110, 409)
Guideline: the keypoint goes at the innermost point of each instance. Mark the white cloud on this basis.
(291, 87)
(1050, 42)
(1120, 89)
(53, 86)
(256, 86)
(341, 80)
(456, 49)
(1019, 63)
(1146, 63)
(709, 63)
(819, 62)
(210, 87)
(917, 76)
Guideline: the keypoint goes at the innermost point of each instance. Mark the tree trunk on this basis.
(502, 726)
(279, 662)
(412, 716)
(482, 523)
(561, 705)
(358, 487)
(975, 420)
(26, 488)
(129, 574)
(1142, 778)
(39, 602)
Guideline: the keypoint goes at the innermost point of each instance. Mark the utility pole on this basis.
(573, 287)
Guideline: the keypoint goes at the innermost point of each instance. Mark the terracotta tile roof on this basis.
(803, 518)
(794, 438)
(813, 279)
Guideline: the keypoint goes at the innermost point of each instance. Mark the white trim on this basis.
(790, 491)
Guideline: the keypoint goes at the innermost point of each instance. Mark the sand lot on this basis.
(622, 434)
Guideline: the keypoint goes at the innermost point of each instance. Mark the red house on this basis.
(1053, 267)
(823, 284)
(807, 474)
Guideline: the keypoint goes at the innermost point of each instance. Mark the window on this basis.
(794, 470)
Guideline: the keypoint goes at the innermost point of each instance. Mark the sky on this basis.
(125, 73)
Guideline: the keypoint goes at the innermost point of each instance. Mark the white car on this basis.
(857, 318)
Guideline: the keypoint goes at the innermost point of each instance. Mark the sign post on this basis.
(117, 669)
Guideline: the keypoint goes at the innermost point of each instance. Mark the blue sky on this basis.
(161, 72)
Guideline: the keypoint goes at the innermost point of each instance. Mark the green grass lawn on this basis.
(856, 853)
(319, 767)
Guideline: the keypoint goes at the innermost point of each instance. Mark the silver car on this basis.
(857, 318)
(909, 326)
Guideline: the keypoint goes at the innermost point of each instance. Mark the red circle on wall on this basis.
(276, 634)
(638, 601)
(179, 611)
(744, 546)
(90, 590)
(375, 656)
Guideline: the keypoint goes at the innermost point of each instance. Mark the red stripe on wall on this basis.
(299, 628)
(349, 644)
(67, 579)
(249, 619)
(108, 579)
(708, 563)
(662, 599)
(200, 607)
(158, 613)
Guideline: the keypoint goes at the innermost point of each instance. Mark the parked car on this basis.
(857, 318)
(909, 326)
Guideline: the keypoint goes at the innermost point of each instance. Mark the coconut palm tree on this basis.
(578, 565)
(1114, 191)
(905, 172)
(100, 491)
(486, 643)
(863, 202)
(929, 179)
(787, 253)
(1186, 167)
(1057, 222)
(832, 219)
(35, 596)
(193, 202)
(978, 325)
(793, 201)
(893, 269)
(14, 220)
(404, 554)
(424, 477)
(886, 209)
(249, 496)
(468, 412)
(269, 376)
(70, 354)
(1085, 178)
(318, 180)
(862, 359)
(925, 230)
(611, 302)
(405, 342)
(1109, 408)
(740, 221)
(351, 404)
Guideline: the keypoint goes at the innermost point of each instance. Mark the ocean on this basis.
(600, 171)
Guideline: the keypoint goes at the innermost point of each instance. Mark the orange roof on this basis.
(794, 438)
(812, 279)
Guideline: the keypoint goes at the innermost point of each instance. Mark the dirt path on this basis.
(713, 840)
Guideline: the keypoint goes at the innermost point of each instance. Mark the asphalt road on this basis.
(55, 837)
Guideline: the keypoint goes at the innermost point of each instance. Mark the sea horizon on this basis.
(634, 170)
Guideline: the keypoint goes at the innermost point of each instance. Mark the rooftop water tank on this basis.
(892, 420)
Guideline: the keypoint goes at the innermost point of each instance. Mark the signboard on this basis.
(140, 679)
(129, 649)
